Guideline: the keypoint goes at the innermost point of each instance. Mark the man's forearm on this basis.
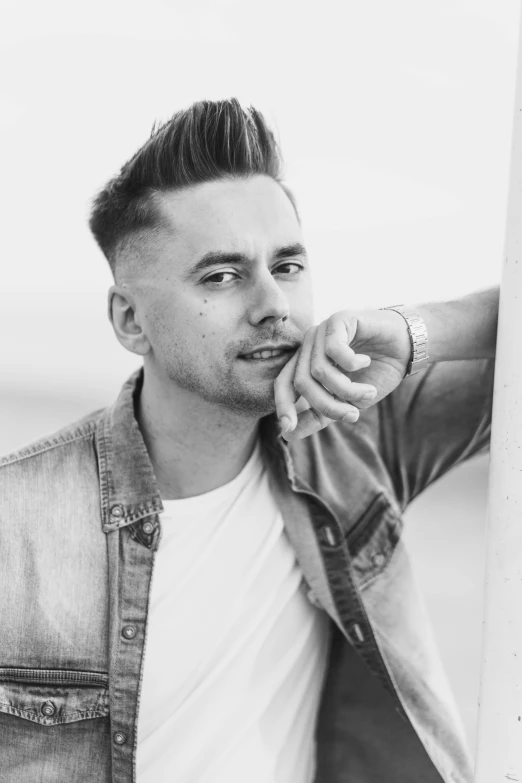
(464, 328)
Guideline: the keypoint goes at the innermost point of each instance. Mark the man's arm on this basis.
(353, 354)
(434, 421)
(465, 328)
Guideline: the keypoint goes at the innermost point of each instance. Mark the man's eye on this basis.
(218, 277)
(285, 270)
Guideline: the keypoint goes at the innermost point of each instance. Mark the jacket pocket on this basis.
(53, 696)
(372, 542)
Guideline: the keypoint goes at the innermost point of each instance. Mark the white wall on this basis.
(395, 123)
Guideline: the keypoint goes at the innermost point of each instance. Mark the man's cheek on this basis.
(303, 319)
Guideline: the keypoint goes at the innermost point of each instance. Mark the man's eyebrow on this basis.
(290, 251)
(215, 258)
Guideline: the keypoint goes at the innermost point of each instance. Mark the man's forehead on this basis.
(238, 216)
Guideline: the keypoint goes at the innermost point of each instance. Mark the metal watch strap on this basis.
(418, 338)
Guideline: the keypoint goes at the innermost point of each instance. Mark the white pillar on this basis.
(499, 740)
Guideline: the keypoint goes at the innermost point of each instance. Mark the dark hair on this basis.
(208, 141)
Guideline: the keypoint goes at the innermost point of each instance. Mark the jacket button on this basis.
(117, 511)
(378, 560)
(48, 709)
(147, 528)
(314, 599)
(129, 632)
(330, 536)
(120, 738)
(355, 630)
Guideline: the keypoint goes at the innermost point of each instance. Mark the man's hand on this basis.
(347, 363)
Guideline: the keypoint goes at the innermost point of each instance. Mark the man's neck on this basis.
(193, 446)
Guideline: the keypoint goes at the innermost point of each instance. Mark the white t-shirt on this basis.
(235, 653)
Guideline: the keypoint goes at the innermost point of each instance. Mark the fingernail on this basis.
(285, 424)
(371, 395)
(351, 416)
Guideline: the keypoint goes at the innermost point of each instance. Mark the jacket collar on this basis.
(129, 491)
(128, 487)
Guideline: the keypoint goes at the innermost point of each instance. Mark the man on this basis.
(189, 596)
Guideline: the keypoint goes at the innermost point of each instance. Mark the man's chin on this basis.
(252, 402)
(251, 408)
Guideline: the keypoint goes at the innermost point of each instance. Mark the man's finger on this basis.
(286, 395)
(318, 397)
(338, 336)
(308, 422)
(334, 379)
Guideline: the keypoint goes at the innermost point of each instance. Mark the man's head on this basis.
(206, 249)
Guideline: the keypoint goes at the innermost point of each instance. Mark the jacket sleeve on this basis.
(434, 421)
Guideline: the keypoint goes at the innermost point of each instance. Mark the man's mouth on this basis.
(267, 353)
(264, 354)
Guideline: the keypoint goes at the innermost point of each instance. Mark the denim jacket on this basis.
(79, 529)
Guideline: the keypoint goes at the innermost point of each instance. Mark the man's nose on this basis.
(268, 301)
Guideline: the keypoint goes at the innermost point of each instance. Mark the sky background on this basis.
(395, 125)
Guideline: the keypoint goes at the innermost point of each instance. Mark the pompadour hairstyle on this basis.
(208, 141)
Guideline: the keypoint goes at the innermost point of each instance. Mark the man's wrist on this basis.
(418, 335)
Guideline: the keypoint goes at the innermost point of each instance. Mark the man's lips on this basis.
(269, 351)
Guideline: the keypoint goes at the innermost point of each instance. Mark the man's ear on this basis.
(123, 315)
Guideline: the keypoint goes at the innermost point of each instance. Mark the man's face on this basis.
(231, 277)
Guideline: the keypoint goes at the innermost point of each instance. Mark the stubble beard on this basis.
(227, 390)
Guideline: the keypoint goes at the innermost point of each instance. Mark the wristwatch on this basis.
(418, 338)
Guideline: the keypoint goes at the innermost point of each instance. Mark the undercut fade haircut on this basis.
(210, 140)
